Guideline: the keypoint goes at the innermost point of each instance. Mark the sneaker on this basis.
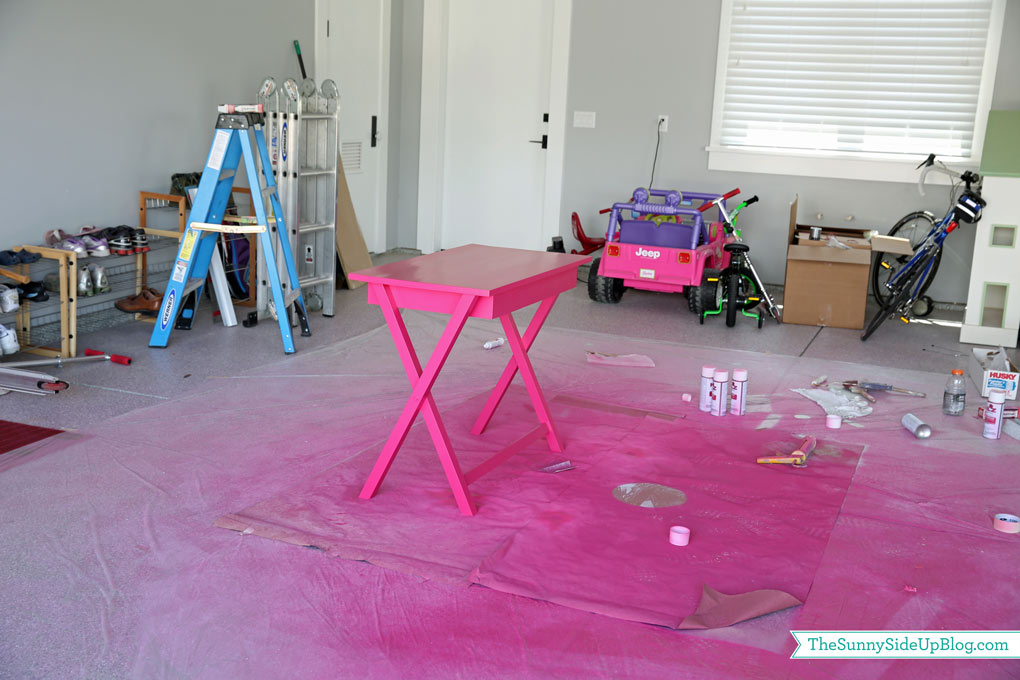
(119, 240)
(100, 282)
(8, 299)
(33, 291)
(52, 282)
(140, 241)
(8, 341)
(85, 282)
(60, 240)
(95, 246)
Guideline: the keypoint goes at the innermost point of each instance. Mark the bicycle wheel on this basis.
(914, 227)
(732, 297)
(900, 294)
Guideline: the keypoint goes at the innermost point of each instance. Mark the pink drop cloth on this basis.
(111, 566)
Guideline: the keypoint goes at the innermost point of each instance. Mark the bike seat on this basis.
(736, 248)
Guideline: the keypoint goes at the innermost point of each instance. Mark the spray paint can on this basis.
(493, 344)
(707, 373)
(719, 392)
(993, 414)
(738, 392)
(917, 427)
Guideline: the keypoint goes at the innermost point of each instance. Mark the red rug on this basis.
(15, 435)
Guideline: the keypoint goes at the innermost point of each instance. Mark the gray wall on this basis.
(106, 97)
(628, 77)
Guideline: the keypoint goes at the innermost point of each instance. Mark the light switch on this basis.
(584, 119)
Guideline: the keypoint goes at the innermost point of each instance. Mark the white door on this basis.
(497, 92)
(352, 47)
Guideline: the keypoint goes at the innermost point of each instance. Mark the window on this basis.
(852, 88)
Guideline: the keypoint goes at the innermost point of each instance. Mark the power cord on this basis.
(658, 139)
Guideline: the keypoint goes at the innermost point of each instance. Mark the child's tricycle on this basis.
(668, 247)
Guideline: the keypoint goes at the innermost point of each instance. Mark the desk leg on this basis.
(531, 381)
(511, 368)
(421, 398)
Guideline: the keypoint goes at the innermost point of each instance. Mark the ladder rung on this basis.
(291, 296)
(191, 286)
(267, 193)
(309, 172)
(230, 228)
(314, 280)
(245, 219)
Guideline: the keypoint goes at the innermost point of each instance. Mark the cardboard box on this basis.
(990, 368)
(826, 286)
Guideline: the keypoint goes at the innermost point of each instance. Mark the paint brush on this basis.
(797, 458)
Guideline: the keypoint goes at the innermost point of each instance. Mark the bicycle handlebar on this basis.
(708, 204)
(967, 176)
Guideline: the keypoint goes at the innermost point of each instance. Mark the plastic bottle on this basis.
(954, 399)
(917, 427)
(993, 414)
(738, 392)
(719, 392)
(707, 372)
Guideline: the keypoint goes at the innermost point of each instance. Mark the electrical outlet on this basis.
(663, 123)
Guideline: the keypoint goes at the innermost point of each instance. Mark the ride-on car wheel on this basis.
(603, 288)
(706, 297)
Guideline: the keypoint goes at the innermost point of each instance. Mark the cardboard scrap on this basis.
(350, 244)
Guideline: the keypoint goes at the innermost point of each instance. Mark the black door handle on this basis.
(375, 131)
(544, 141)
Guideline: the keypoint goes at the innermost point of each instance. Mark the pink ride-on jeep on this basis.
(665, 247)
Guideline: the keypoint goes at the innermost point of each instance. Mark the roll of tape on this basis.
(833, 421)
(1008, 524)
(679, 535)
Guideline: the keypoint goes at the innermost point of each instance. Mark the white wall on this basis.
(107, 97)
(630, 62)
(405, 109)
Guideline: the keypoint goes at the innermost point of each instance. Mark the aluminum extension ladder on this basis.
(302, 129)
(232, 140)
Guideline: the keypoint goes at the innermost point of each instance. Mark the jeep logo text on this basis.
(654, 254)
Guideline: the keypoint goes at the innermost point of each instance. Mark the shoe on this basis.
(52, 282)
(8, 341)
(100, 282)
(9, 258)
(95, 246)
(119, 240)
(59, 239)
(8, 299)
(27, 257)
(85, 282)
(33, 291)
(144, 303)
(140, 241)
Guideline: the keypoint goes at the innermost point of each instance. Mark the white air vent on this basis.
(350, 154)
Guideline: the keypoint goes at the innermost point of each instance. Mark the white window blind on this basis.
(899, 77)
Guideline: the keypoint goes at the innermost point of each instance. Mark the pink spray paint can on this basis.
(738, 392)
(993, 414)
(719, 392)
(707, 373)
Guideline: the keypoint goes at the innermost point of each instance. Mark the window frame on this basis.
(841, 164)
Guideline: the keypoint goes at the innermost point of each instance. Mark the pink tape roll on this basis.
(679, 535)
(1009, 524)
(833, 421)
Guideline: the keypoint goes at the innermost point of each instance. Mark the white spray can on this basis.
(719, 392)
(993, 414)
(707, 373)
(738, 392)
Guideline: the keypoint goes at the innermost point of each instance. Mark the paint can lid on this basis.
(707, 371)
(833, 421)
(923, 431)
(721, 376)
(997, 396)
(740, 374)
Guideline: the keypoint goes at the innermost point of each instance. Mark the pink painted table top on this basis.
(475, 269)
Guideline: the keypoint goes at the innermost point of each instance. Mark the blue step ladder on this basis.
(233, 139)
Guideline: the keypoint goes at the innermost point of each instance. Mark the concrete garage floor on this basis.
(99, 391)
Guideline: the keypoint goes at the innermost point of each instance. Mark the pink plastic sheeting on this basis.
(565, 538)
(110, 565)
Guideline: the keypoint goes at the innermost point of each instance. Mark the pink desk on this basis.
(479, 281)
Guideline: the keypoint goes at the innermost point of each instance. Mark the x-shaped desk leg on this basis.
(520, 346)
(421, 398)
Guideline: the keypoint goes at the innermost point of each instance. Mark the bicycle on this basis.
(742, 289)
(900, 281)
